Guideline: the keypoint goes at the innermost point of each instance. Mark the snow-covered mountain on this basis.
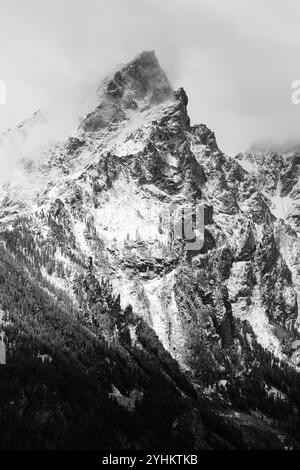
(218, 327)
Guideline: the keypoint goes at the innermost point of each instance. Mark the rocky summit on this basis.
(115, 335)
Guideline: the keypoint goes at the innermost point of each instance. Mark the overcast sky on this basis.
(235, 58)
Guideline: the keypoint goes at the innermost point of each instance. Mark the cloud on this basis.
(236, 59)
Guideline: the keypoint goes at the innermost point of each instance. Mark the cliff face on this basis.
(218, 323)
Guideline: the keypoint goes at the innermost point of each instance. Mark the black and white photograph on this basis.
(149, 228)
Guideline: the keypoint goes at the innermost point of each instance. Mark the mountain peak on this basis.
(268, 146)
(137, 85)
(144, 58)
(141, 77)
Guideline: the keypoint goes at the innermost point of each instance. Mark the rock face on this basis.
(218, 323)
(139, 85)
